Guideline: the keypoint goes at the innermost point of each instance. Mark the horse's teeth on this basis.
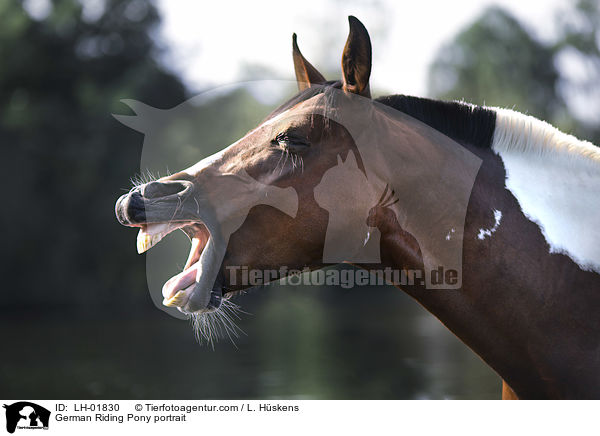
(175, 300)
(145, 241)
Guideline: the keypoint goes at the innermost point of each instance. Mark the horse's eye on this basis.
(292, 143)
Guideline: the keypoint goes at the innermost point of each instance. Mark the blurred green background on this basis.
(75, 314)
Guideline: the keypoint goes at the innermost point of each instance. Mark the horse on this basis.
(509, 201)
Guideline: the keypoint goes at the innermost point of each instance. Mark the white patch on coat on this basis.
(488, 232)
(555, 177)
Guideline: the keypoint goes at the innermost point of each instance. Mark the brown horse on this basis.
(528, 298)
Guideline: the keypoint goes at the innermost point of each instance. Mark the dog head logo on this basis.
(26, 415)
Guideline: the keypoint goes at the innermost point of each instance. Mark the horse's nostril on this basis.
(136, 210)
(130, 209)
(162, 189)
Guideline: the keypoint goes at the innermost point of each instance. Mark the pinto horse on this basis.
(528, 298)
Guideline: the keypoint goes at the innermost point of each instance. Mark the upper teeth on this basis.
(145, 241)
(151, 234)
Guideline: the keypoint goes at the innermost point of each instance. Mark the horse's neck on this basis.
(539, 304)
(527, 305)
(528, 312)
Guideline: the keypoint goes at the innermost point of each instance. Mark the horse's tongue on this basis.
(197, 247)
(181, 281)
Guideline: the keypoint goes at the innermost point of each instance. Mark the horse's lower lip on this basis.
(180, 286)
(184, 300)
(196, 301)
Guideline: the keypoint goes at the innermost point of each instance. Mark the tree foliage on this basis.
(65, 157)
(497, 61)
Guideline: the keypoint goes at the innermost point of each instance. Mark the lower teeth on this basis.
(175, 300)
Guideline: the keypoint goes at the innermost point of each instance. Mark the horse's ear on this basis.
(356, 59)
(306, 74)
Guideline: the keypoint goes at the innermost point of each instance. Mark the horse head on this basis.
(252, 204)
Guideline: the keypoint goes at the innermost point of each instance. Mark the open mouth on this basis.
(184, 290)
(158, 208)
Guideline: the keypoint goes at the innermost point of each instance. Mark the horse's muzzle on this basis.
(152, 202)
(130, 209)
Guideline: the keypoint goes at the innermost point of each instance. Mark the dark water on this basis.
(360, 343)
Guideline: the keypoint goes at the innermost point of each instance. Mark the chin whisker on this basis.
(219, 324)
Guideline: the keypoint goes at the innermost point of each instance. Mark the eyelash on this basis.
(284, 141)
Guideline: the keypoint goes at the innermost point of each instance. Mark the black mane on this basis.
(463, 122)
